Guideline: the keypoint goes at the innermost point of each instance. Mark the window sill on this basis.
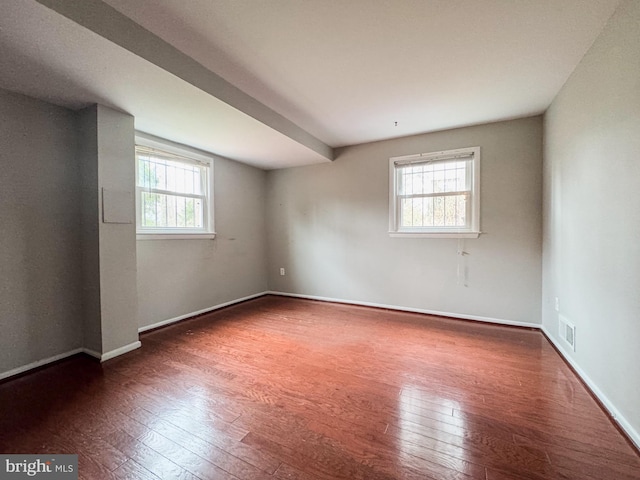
(175, 236)
(434, 234)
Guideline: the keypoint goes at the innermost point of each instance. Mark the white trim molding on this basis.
(120, 351)
(151, 147)
(500, 321)
(169, 321)
(610, 408)
(471, 191)
(435, 235)
(175, 236)
(75, 351)
(608, 405)
(92, 353)
(39, 363)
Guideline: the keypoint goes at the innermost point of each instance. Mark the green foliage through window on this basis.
(171, 192)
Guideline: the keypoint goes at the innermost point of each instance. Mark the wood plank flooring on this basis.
(280, 388)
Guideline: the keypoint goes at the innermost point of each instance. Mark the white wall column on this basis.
(109, 232)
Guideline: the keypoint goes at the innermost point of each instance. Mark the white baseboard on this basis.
(39, 363)
(120, 351)
(103, 357)
(169, 321)
(624, 424)
(60, 356)
(412, 310)
(92, 353)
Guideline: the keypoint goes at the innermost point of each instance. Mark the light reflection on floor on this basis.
(421, 418)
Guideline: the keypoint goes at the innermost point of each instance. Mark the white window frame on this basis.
(179, 233)
(471, 230)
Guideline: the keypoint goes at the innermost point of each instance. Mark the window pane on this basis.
(417, 180)
(438, 193)
(462, 177)
(174, 176)
(432, 178)
(429, 181)
(146, 173)
(439, 211)
(406, 213)
(406, 181)
(451, 214)
(171, 211)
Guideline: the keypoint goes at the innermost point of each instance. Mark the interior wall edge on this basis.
(462, 316)
(92, 353)
(605, 403)
(627, 429)
(116, 352)
(169, 321)
(618, 418)
(39, 363)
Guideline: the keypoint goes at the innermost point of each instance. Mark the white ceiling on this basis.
(342, 70)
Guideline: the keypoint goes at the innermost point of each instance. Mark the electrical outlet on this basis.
(282, 271)
(557, 304)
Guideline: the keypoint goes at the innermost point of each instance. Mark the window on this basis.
(435, 194)
(173, 191)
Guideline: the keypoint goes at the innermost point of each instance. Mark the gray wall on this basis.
(178, 277)
(116, 173)
(40, 264)
(592, 212)
(89, 228)
(328, 228)
(69, 280)
(327, 225)
(106, 152)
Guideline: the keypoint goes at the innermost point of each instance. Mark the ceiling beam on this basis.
(112, 25)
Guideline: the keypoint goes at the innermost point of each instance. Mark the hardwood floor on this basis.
(283, 388)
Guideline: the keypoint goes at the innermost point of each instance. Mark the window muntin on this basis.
(173, 192)
(435, 193)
